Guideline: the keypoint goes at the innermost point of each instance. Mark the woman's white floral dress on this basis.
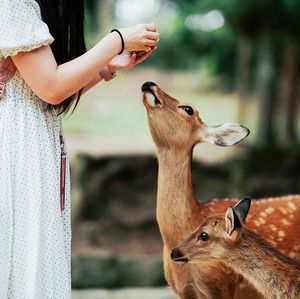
(35, 235)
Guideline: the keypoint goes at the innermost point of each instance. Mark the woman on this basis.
(52, 72)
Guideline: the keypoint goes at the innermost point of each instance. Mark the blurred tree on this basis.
(105, 14)
(290, 69)
(262, 38)
(99, 19)
(91, 15)
(255, 21)
(194, 48)
(274, 26)
(257, 49)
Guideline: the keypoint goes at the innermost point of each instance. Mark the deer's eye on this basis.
(188, 109)
(203, 236)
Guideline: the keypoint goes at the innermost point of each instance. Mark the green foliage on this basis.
(109, 271)
(290, 16)
(215, 52)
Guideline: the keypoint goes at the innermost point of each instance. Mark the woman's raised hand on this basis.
(141, 37)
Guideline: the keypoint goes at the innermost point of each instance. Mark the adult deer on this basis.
(225, 239)
(176, 128)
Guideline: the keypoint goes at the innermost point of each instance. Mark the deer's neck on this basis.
(271, 272)
(176, 204)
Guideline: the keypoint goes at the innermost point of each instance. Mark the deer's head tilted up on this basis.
(175, 123)
(215, 237)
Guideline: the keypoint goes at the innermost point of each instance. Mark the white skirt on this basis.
(35, 235)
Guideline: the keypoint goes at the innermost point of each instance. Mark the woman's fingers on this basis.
(132, 60)
(150, 43)
(152, 35)
(143, 57)
(150, 27)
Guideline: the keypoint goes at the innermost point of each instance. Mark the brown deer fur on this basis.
(175, 134)
(272, 273)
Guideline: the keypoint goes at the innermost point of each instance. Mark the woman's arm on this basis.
(124, 61)
(54, 84)
(92, 83)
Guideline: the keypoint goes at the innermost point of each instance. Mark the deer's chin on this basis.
(181, 261)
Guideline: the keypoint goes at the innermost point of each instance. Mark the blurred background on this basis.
(236, 61)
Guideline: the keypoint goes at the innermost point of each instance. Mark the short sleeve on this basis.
(21, 27)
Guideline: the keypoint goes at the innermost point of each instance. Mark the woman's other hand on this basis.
(128, 60)
(141, 37)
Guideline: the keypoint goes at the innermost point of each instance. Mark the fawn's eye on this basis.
(203, 236)
(188, 109)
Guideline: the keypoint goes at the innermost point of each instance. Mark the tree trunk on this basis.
(105, 15)
(289, 92)
(266, 84)
(244, 55)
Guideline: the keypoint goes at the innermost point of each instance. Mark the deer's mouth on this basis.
(149, 96)
(151, 99)
(181, 260)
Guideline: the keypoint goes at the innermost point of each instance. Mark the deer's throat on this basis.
(176, 204)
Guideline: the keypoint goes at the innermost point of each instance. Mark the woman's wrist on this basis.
(106, 74)
(121, 39)
(117, 41)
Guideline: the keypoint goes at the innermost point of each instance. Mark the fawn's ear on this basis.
(242, 208)
(232, 223)
(224, 135)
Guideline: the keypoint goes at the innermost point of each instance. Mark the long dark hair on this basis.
(65, 19)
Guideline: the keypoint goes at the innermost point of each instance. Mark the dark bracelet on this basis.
(122, 39)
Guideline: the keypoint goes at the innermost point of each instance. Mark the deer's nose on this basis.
(147, 86)
(175, 254)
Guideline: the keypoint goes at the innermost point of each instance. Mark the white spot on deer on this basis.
(263, 214)
(261, 220)
(281, 233)
(283, 210)
(257, 223)
(285, 222)
(292, 206)
(269, 210)
(273, 227)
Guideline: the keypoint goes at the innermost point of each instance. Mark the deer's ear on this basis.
(242, 208)
(232, 223)
(224, 135)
